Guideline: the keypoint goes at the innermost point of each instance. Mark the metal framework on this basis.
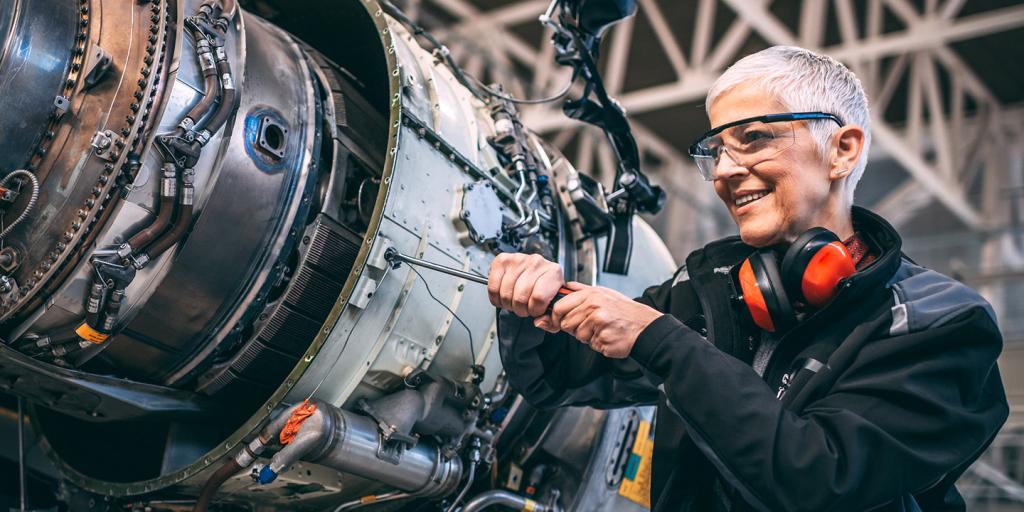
(960, 147)
(945, 150)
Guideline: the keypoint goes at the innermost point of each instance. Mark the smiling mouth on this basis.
(750, 198)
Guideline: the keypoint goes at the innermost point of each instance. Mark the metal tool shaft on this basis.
(395, 255)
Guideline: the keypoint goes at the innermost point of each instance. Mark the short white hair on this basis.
(804, 81)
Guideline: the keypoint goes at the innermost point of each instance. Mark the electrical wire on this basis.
(336, 358)
(565, 90)
(472, 350)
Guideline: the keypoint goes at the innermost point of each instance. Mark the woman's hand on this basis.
(605, 319)
(523, 283)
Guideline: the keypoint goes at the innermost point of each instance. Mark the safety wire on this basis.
(472, 350)
(336, 359)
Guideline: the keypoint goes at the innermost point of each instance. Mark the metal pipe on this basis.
(506, 499)
(471, 474)
(355, 446)
(352, 443)
(22, 487)
(371, 500)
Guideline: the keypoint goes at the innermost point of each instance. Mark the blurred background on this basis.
(945, 79)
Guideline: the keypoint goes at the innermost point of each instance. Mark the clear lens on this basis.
(747, 145)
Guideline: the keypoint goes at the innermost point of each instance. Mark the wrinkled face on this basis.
(775, 200)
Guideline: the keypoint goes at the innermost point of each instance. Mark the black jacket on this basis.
(907, 396)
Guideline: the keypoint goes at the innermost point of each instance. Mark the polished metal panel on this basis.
(220, 269)
(36, 39)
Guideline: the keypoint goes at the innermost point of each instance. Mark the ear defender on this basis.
(811, 270)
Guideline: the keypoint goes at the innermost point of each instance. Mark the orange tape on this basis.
(294, 424)
(89, 334)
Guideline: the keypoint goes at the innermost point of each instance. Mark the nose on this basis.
(727, 167)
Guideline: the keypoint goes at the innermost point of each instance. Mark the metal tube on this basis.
(506, 499)
(23, 489)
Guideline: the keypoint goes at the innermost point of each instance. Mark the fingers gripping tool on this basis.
(396, 258)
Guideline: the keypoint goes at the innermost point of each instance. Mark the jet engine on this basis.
(197, 204)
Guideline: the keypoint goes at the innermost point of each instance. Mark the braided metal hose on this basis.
(31, 200)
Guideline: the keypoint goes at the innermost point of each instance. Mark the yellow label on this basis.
(636, 482)
(530, 505)
(89, 334)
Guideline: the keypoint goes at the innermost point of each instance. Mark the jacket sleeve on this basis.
(553, 370)
(909, 409)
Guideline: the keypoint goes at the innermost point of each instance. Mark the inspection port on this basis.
(272, 137)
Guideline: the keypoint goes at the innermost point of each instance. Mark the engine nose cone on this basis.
(36, 42)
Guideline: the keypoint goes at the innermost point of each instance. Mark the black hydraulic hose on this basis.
(150, 232)
(216, 480)
(45, 341)
(211, 83)
(227, 100)
(165, 210)
(96, 301)
(181, 222)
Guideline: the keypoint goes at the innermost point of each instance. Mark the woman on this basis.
(877, 399)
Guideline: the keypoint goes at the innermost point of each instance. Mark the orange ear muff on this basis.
(831, 264)
(753, 298)
(813, 266)
(763, 292)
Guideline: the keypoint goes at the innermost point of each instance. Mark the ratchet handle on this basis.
(562, 292)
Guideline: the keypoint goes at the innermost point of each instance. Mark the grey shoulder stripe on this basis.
(925, 298)
(899, 317)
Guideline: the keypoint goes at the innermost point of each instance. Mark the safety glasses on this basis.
(750, 141)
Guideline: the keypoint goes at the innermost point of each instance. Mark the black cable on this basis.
(472, 350)
(512, 99)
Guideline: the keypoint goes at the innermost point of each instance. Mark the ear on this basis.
(846, 147)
